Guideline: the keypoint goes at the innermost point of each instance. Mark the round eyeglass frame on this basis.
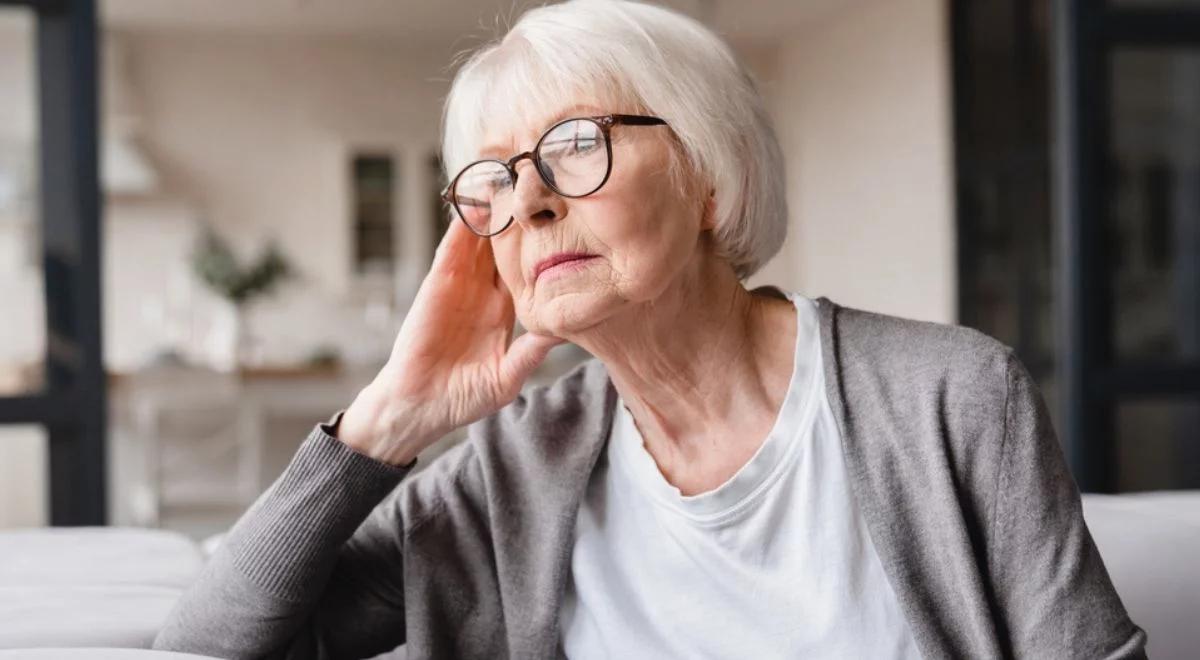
(605, 122)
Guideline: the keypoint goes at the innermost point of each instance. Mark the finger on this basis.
(500, 301)
(468, 253)
(485, 260)
(455, 246)
(526, 353)
(499, 283)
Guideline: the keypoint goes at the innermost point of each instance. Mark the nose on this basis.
(534, 203)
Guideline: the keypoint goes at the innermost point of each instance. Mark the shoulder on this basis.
(929, 395)
(926, 408)
(897, 343)
(907, 359)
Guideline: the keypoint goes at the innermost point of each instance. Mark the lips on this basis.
(556, 259)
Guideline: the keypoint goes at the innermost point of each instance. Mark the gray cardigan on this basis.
(951, 455)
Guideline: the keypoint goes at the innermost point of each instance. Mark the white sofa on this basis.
(1150, 543)
(108, 587)
(105, 587)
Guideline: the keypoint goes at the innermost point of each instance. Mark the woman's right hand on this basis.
(452, 362)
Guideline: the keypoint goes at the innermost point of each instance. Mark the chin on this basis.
(568, 313)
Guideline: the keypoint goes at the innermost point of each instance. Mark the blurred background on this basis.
(214, 215)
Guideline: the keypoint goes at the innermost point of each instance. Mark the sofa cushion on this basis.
(1150, 542)
(97, 555)
(97, 654)
(97, 615)
(66, 587)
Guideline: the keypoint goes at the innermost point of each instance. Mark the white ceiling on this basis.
(424, 20)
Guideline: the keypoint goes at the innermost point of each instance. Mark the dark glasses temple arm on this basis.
(637, 120)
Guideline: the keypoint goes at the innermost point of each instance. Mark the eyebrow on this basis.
(577, 110)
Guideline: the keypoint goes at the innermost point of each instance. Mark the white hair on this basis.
(658, 60)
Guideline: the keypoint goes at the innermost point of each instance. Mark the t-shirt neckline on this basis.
(779, 448)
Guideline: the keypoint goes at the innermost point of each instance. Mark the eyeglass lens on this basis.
(574, 161)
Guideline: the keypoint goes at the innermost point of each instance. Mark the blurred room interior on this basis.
(263, 204)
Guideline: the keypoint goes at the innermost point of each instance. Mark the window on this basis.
(1079, 220)
(23, 333)
(374, 180)
(69, 400)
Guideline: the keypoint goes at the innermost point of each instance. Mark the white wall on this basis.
(17, 112)
(253, 129)
(862, 101)
(253, 135)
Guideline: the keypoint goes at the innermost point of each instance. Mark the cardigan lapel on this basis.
(570, 498)
(883, 463)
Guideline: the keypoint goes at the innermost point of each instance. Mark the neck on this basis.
(704, 365)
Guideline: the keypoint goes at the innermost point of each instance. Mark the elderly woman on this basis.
(736, 474)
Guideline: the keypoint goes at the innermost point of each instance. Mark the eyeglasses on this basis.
(573, 158)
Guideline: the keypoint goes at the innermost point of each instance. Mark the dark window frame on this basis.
(1089, 383)
(1087, 34)
(72, 406)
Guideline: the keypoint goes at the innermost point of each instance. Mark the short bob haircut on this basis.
(646, 59)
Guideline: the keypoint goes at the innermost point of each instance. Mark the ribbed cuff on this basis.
(290, 538)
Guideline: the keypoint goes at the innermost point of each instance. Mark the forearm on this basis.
(255, 597)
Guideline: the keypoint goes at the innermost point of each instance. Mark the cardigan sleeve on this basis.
(1056, 598)
(304, 573)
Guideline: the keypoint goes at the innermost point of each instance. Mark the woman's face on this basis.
(639, 226)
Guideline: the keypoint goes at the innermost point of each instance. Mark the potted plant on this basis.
(215, 264)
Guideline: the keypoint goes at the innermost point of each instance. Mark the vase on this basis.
(232, 348)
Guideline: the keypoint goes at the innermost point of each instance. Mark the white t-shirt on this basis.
(774, 563)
